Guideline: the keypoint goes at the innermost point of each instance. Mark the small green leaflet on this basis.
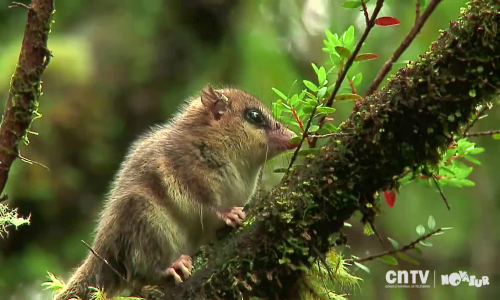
(431, 223)
(388, 259)
(348, 97)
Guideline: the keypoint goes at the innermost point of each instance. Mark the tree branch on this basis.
(26, 87)
(406, 125)
(405, 248)
(419, 23)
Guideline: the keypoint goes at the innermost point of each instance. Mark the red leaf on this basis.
(387, 21)
(390, 198)
(366, 56)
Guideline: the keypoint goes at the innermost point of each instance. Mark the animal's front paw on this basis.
(183, 263)
(233, 217)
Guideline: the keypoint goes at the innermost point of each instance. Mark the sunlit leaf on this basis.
(420, 230)
(362, 267)
(425, 243)
(313, 128)
(321, 76)
(280, 94)
(325, 109)
(394, 243)
(310, 85)
(352, 4)
(322, 92)
(431, 223)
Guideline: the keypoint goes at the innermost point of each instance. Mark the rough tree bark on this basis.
(407, 124)
(26, 86)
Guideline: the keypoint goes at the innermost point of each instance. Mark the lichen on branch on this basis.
(405, 125)
(26, 86)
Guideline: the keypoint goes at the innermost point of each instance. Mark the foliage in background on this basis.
(10, 217)
(111, 88)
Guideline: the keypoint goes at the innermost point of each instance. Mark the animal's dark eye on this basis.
(255, 117)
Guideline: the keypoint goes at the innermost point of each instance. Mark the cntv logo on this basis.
(419, 279)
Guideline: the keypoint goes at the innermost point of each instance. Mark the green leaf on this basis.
(316, 70)
(420, 230)
(356, 80)
(394, 243)
(313, 128)
(325, 109)
(425, 243)
(280, 94)
(388, 259)
(343, 51)
(496, 136)
(321, 76)
(348, 36)
(348, 97)
(352, 4)
(418, 250)
(447, 228)
(362, 267)
(294, 100)
(407, 258)
(310, 85)
(295, 140)
(322, 92)
(431, 223)
(476, 150)
(331, 127)
(472, 159)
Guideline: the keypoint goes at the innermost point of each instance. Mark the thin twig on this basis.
(19, 4)
(332, 134)
(440, 191)
(417, 11)
(365, 12)
(489, 132)
(304, 136)
(405, 248)
(350, 61)
(479, 114)
(404, 45)
(323, 281)
(104, 261)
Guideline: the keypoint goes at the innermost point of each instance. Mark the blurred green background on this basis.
(120, 67)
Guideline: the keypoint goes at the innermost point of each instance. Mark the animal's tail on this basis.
(91, 273)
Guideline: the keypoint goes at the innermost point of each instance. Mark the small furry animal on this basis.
(177, 186)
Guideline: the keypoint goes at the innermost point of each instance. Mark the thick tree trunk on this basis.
(405, 125)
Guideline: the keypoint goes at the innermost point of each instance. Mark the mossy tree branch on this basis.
(25, 87)
(407, 124)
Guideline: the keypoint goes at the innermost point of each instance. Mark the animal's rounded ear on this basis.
(215, 102)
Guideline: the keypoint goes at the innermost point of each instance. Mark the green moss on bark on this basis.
(405, 125)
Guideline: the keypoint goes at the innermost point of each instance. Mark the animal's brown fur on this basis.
(171, 184)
